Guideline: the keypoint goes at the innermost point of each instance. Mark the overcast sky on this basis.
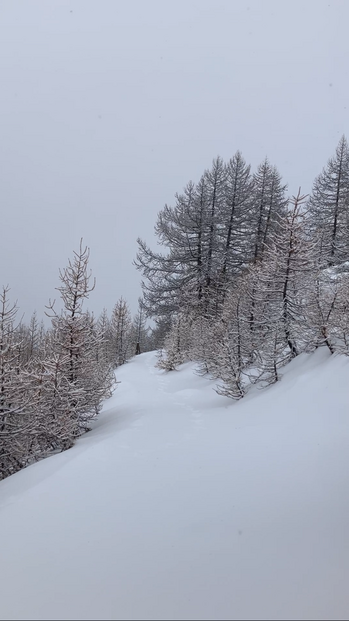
(108, 108)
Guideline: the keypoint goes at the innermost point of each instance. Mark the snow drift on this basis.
(183, 504)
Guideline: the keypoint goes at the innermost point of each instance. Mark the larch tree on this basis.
(215, 188)
(14, 420)
(120, 332)
(234, 217)
(188, 232)
(139, 331)
(177, 343)
(329, 207)
(104, 351)
(74, 343)
(230, 344)
(269, 201)
(291, 256)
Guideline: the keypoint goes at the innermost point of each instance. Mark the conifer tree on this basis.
(14, 421)
(104, 351)
(177, 344)
(329, 207)
(289, 262)
(230, 344)
(74, 343)
(138, 331)
(188, 232)
(235, 215)
(120, 332)
(269, 201)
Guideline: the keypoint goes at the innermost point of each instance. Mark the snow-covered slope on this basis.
(183, 504)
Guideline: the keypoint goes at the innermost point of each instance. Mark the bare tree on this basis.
(269, 201)
(138, 331)
(74, 341)
(120, 332)
(329, 206)
(14, 420)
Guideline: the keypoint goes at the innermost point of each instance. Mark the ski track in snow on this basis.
(181, 504)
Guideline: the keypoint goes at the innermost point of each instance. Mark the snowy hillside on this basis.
(183, 504)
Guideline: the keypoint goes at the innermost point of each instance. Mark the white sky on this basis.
(108, 108)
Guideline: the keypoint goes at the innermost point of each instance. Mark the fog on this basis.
(108, 108)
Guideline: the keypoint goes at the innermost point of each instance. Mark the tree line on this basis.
(53, 381)
(248, 277)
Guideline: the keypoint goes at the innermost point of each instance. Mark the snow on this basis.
(182, 504)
